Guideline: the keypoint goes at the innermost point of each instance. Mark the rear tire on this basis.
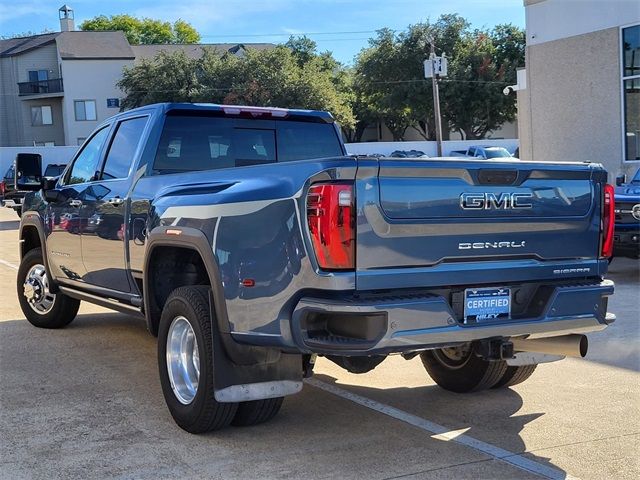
(44, 309)
(515, 375)
(189, 391)
(257, 411)
(460, 370)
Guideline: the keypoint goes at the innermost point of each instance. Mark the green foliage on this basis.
(390, 81)
(272, 77)
(387, 83)
(144, 31)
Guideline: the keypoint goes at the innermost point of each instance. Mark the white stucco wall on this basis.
(385, 148)
(49, 155)
(89, 80)
(549, 20)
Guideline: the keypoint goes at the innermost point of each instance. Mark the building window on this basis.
(41, 116)
(38, 75)
(44, 144)
(631, 91)
(85, 110)
(81, 140)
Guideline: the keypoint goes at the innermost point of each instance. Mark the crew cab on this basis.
(484, 152)
(251, 243)
(626, 239)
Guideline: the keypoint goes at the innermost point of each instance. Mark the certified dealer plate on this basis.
(486, 304)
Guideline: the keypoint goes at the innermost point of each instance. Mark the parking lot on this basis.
(85, 402)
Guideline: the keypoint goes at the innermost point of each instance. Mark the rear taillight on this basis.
(3, 187)
(608, 221)
(330, 215)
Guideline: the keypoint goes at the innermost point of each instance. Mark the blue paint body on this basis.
(412, 260)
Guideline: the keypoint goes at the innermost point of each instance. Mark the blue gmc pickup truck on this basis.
(251, 243)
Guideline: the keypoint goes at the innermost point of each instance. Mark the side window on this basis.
(85, 166)
(123, 148)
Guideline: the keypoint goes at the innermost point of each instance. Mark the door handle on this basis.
(75, 203)
(115, 201)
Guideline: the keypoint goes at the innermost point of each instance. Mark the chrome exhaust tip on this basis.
(567, 345)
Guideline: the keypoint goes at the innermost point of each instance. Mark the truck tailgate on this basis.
(457, 222)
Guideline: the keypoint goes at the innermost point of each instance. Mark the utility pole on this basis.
(434, 67)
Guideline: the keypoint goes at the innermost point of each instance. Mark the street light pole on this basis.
(436, 99)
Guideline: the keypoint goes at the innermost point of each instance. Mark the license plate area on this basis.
(487, 304)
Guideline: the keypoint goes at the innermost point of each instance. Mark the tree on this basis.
(390, 80)
(144, 31)
(484, 63)
(270, 77)
(302, 48)
(28, 33)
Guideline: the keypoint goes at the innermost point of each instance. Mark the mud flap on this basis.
(257, 372)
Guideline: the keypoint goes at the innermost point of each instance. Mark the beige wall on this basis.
(43, 133)
(571, 109)
(89, 80)
(15, 116)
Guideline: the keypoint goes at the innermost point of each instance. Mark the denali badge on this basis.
(496, 201)
(489, 245)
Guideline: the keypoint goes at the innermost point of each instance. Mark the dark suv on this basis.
(12, 198)
(626, 240)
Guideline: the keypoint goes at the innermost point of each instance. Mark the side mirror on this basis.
(52, 196)
(49, 192)
(28, 171)
(49, 183)
(621, 180)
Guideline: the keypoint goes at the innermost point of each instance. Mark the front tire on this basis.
(41, 307)
(460, 370)
(185, 361)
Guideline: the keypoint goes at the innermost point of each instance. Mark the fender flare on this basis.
(32, 219)
(196, 240)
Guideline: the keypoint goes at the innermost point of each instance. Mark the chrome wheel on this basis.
(454, 357)
(36, 290)
(183, 360)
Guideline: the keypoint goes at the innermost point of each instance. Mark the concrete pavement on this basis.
(85, 402)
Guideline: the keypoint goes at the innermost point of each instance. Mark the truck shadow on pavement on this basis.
(85, 401)
(489, 416)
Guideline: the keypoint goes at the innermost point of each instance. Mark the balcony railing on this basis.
(41, 86)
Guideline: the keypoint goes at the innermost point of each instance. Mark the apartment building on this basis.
(579, 97)
(56, 87)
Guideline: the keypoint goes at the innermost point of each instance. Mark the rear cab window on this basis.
(192, 143)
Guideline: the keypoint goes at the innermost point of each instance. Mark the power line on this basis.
(296, 34)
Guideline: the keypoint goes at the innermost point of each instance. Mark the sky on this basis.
(340, 26)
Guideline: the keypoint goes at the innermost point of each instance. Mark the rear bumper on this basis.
(404, 323)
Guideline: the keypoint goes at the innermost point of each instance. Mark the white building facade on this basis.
(581, 97)
(55, 88)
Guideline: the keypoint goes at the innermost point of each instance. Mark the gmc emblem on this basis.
(495, 201)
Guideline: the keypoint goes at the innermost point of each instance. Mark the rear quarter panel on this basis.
(254, 220)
